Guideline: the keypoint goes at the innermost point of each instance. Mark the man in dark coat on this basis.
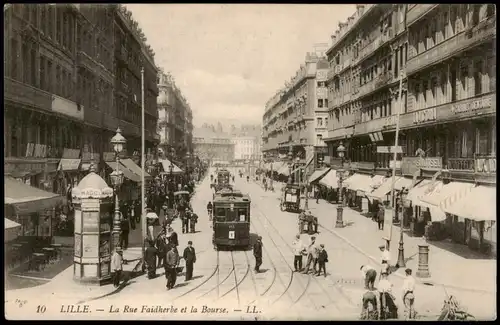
(150, 257)
(257, 253)
(125, 227)
(171, 263)
(192, 222)
(161, 245)
(190, 258)
(322, 259)
(380, 216)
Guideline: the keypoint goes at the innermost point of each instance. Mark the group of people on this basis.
(379, 302)
(317, 256)
(306, 218)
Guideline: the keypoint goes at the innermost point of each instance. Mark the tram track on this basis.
(332, 301)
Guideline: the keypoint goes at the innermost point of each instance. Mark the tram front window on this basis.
(242, 215)
(220, 214)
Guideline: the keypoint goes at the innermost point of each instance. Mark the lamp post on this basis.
(401, 249)
(306, 189)
(118, 141)
(188, 157)
(340, 208)
(290, 163)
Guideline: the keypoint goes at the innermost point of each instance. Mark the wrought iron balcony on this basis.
(485, 165)
(461, 164)
(418, 11)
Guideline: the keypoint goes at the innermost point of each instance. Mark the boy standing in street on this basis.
(190, 258)
(117, 266)
(322, 259)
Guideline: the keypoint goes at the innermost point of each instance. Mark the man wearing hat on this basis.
(312, 256)
(257, 253)
(172, 237)
(171, 263)
(322, 259)
(117, 266)
(190, 258)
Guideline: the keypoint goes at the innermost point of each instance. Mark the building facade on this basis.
(290, 117)
(61, 86)
(246, 148)
(383, 47)
(175, 123)
(214, 149)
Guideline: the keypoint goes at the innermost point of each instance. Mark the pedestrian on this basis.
(171, 263)
(161, 246)
(150, 259)
(322, 259)
(317, 194)
(209, 210)
(385, 259)
(257, 253)
(380, 216)
(151, 218)
(369, 309)
(125, 230)
(298, 250)
(117, 266)
(190, 258)
(311, 256)
(186, 216)
(388, 308)
(408, 295)
(172, 237)
(136, 208)
(193, 221)
(369, 275)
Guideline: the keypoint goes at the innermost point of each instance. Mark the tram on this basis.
(223, 176)
(231, 219)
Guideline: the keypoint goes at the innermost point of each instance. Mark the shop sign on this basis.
(71, 153)
(471, 106)
(410, 165)
(425, 115)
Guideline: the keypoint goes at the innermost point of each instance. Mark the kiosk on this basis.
(93, 204)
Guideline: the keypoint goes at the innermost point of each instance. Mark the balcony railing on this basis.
(452, 46)
(22, 93)
(417, 12)
(461, 164)
(485, 165)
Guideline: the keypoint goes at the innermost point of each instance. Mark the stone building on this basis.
(175, 121)
(72, 77)
(291, 116)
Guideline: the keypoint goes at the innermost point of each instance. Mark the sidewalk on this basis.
(477, 273)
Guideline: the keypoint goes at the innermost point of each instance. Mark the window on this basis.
(464, 74)
(446, 24)
(320, 103)
(43, 83)
(319, 121)
(25, 56)
(478, 75)
(326, 103)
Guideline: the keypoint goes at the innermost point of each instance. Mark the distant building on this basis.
(211, 145)
(175, 118)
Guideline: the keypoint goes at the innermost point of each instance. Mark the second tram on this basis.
(231, 220)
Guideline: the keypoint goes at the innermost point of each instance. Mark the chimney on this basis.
(350, 20)
(334, 38)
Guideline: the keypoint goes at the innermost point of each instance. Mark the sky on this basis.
(230, 59)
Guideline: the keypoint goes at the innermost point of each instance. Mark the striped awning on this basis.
(166, 166)
(126, 172)
(354, 182)
(318, 174)
(370, 184)
(415, 193)
(130, 164)
(404, 182)
(478, 204)
(384, 188)
(330, 179)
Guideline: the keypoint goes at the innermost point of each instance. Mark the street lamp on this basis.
(118, 141)
(340, 208)
(401, 250)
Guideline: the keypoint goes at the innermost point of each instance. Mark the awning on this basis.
(25, 199)
(166, 167)
(404, 182)
(318, 174)
(11, 230)
(384, 188)
(478, 205)
(330, 179)
(354, 180)
(442, 196)
(66, 164)
(283, 169)
(130, 164)
(415, 193)
(126, 172)
(9, 224)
